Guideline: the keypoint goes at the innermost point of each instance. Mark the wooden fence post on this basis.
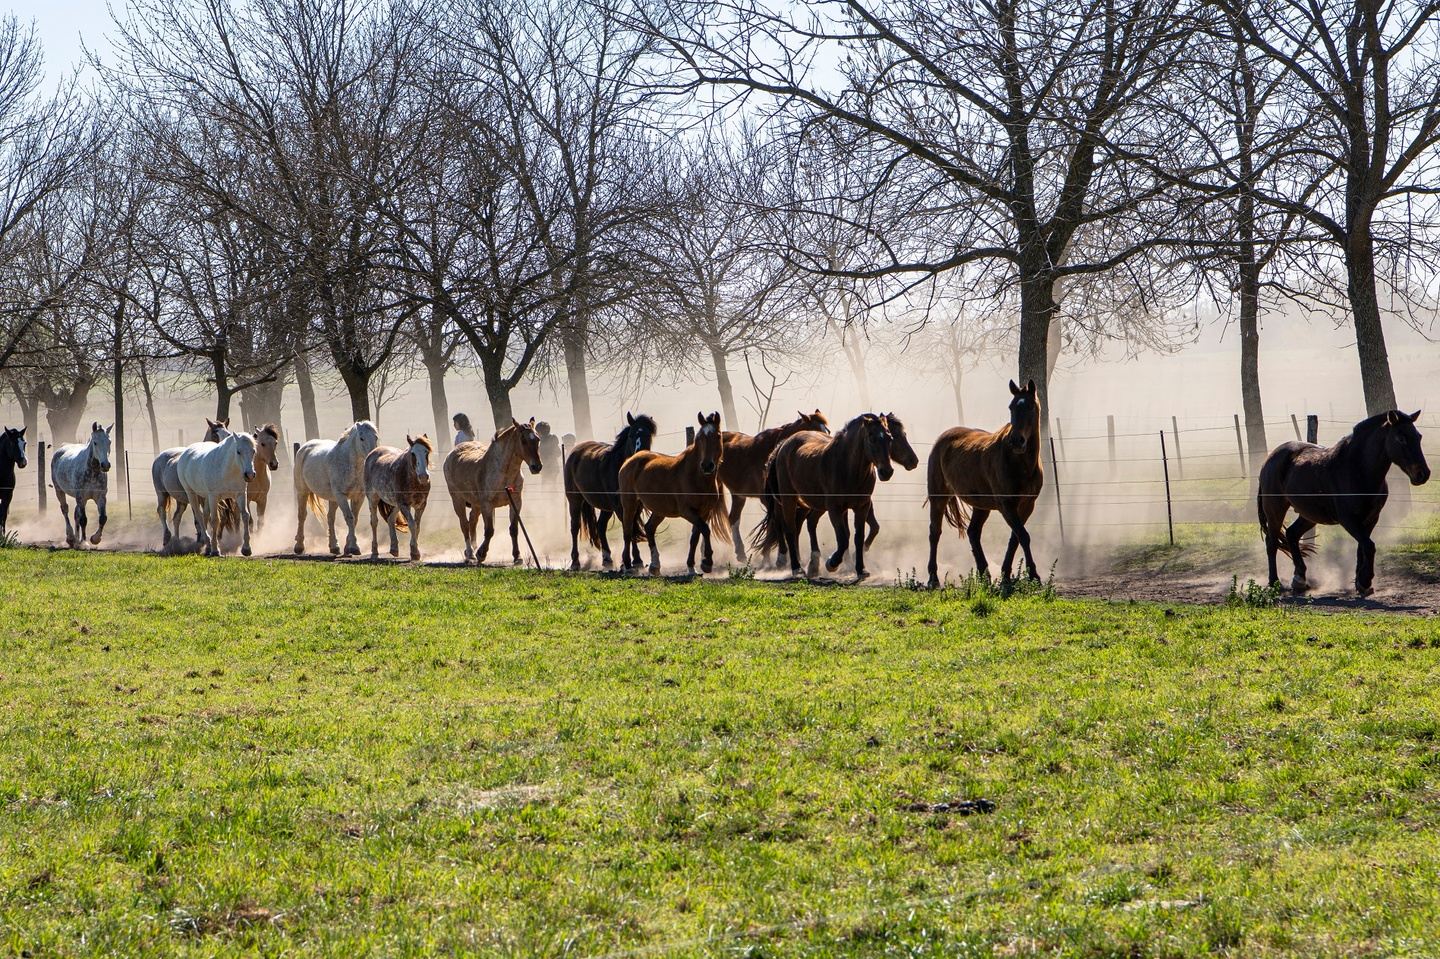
(40, 464)
(689, 435)
(1169, 511)
(1312, 427)
(1110, 435)
(1055, 473)
(129, 507)
(1295, 423)
(1179, 462)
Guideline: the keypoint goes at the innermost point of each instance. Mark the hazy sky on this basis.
(61, 24)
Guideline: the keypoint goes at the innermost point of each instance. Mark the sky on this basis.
(61, 24)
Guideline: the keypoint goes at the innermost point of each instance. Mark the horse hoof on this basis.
(334, 551)
(654, 569)
(797, 573)
(706, 565)
(299, 550)
(516, 561)
(352, 551)
(1364, 591)
(861, 575)
(1298, 585)
(395, 552)
(606, 561)
(95, 540)
(244, 551)
(414, 556)
(934, 583)
(831, 565)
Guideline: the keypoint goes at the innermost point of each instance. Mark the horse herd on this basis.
(799, 472)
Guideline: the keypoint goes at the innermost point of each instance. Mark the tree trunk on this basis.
(149, 395)
(1369, 332)
(1250, 364)
(357, 384)
(223, 395)
(307, 395)
(959, 400)
(1037, 309)
(261, 405)
(29, 413)
(727, 392)
(117, 383)
(64, 414)
(575, 340)
(497, 390)
(439, 406)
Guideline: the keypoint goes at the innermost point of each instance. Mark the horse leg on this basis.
(349, 508)
(862, 516)
(937, 528)
(651, 526)
(606, 558)
(790, 517)
(874, 528)
(374, 525)
(977, 523)
(515, 530)
(162, 510)
(574, 503)
(811, 519)
(1019, 537)
(392, 523)
(65, 512)
(737, 506)
(1361, 529)
(260, 512)
(488, 513)
(330, 526)
(694, 542)
(460, 514)
(840, 519)
(100, 529)
(1300, 582)
(300, 510)
(246, 521)
(707, 557)
(412, 519)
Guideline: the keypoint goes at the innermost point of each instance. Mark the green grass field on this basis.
(304, 758)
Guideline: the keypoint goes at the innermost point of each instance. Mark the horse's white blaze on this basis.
(421, 452)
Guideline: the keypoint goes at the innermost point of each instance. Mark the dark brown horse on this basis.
(685, 486)
(812, 473)
(988, 472)
(1343, 484)
(743, 469)
(12, 454)
(592, 483)
(901, 453)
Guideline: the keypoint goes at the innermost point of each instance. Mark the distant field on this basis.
(234, 757)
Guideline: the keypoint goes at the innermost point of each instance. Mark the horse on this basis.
(12, 455)
(743, 469)
(482, 478)
(1343, 484)
(165, 477)
(333, 472)
(998, 471)
(397, 486)
(686, 486)
(81, 470)
(592, 484)
(901, 453)
(267, 460)
(812, 473)
(213, 476)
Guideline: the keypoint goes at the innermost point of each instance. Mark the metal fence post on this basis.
(1169, 511)
(1240, 444)
(1059, 509)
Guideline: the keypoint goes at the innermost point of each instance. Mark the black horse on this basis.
(1343, 484)
(12, 454)
(592, 483)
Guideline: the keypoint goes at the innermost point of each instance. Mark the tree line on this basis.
(330, 194)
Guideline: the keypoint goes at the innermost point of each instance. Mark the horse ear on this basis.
(716, 417)
(109, 428)
(532, 422)
(1413, 417)
(409, 440)
(226, 424)
(1014, 390)
(24, 428)
(701, 418)
(1030, 387)
(629, 419)
(801, 415)
(1390, 418)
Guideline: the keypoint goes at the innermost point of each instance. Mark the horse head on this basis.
(900, 449)
(875, 441)
(1024, 416)
(708, 443)
(267, 437)
(815, 422)
(244, 446)
(216, 430)
(1402, 445)
(100, 445)
(421, 450)
(529, 443)
(13, 441)
(638, 434)
(365, 437)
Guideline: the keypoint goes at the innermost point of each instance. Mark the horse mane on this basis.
(622, 438)
(350, 430)
(424, 441)
(271, 430)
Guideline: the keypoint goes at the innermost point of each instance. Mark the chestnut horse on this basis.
(686, 486)
(592, 482)
(481, 479)
(812, 473)
(1342, 484)
(743, 469)
(397, 486)
(988, 472)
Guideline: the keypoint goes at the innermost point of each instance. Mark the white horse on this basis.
(211, 474)
(81, 469)
(333, 472)
(165, 474)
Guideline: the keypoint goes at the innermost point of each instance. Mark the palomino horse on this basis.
(1342, 484)
(165, 476)
(812, 473)
(686, 486)
(592, 483)
(213, 476)
(482, 478)
(80, 469)
(12, 454)
(988, 472)
(743, 469)
(397, 485)
(267, 461)
(333, 472)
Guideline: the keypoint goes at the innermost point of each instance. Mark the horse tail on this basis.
(229, 515)
(719, 517)
(590, 523)
(386, 509)
(770, 531)
(1269, 485)
(938, 488)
